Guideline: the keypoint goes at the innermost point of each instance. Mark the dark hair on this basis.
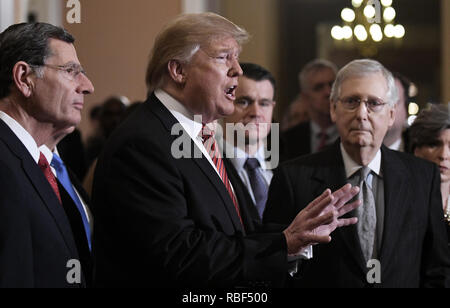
(257, 73)
(428, 126)
(406, 84)
(26, 42)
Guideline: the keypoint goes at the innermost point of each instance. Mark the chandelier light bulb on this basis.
(389, 14)
(348, 15)
(347, 32)
(399, 31)
(369, 11)
(360, 32)
(386, 3)
(389, 30)
(337, 33)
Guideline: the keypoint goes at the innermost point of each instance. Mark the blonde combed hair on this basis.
(181, 38)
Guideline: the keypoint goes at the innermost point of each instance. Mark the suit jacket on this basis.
(71, 150)
(296, 141)
(414, 248)
(250, 217)
(167, 222)
(77, 226)
(36, 239)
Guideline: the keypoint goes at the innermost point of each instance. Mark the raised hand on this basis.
(320, 218)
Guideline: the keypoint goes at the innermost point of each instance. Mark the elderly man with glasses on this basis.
(399, 240)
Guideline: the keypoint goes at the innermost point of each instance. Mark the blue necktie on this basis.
(259, 186)
(63, 177)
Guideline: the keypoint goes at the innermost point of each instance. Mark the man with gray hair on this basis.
(315, 80)
(42, 89)
(168, 217)
(399, 240)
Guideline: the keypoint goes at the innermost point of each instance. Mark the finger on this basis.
(347, 222)
(318, 239)
(349, 207)
(318, 200)
(324, 219)
(346, 196)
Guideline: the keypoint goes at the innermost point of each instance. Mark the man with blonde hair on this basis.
(166, 213)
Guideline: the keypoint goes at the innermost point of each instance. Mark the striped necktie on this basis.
(210, 144)
(45, 167)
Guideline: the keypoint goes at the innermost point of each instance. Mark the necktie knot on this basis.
(43, 163)
(206, 133)
(364, 173)
(251, 163)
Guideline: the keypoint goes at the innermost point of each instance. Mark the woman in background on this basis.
(430, 139)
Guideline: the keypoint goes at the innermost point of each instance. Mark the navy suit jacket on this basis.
(36, 240)
(166, 222)
(414, 251)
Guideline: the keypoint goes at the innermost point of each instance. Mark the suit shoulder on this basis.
(413, 163)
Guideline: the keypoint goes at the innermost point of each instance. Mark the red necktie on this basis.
(45, 167)
(210, 144)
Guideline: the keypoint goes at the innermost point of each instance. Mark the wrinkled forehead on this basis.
(62, 52)
(222, 43)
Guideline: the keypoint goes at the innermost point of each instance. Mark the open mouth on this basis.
(230, 93)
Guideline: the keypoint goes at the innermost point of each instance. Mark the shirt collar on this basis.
(240, 157)
(351, 166)
(180, 112)
(21, 133)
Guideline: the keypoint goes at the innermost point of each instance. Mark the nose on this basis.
(235, 69)
(85, 86)
(362, 111)
(444, 152)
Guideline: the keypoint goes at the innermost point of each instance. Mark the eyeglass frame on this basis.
(63, 68)
(381, 103)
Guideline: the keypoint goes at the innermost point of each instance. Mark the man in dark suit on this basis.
(165, 212)
(399, 240)
(315, 81)
(42, 90)
(248, 160)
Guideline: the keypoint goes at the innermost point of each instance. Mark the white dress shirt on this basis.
(23, 135)
(238, 161)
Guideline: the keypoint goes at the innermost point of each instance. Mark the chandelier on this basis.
(368, 23)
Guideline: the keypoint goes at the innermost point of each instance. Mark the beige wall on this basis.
(445, 20)
(260, 19)
(113, 42)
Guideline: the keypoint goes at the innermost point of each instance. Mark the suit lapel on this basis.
(168, 120)
(396, 200)
(41, 185)
(331, 174)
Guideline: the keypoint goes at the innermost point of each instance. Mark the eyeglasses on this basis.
(72, 71)
(351, 103)
(244, 103)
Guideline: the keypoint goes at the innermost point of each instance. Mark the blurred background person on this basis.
(316, 80)
(297, 112)
(396, 138)
(247, 168)
(109, 116)
(430, 139)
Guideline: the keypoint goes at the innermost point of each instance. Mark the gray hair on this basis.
(363, 68)
(312, 67)
(428, 126)
(182, 38)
